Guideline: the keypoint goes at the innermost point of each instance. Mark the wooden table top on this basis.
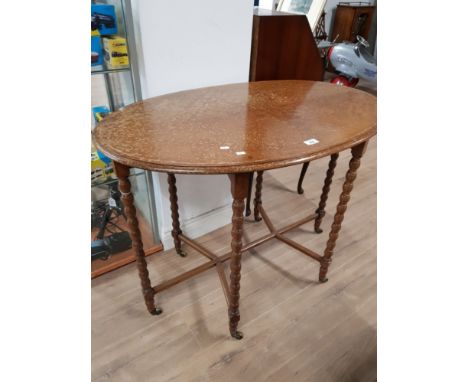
(238, 128)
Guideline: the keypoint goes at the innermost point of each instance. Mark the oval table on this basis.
(237, 130)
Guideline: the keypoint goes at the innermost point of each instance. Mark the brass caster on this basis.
(323, 281)
(318, 230)
(181, 253)
(237, 335)
(156, 311)
(258, 218)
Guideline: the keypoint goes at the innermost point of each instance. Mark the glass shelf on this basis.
(110, 235)
(107, 71)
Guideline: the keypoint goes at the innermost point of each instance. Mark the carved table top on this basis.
(238, 128)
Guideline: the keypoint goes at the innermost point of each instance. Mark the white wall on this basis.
(188, 44)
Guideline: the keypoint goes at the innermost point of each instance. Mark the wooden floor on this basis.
(295, 329)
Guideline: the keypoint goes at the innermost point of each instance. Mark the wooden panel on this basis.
(99, 267)
(364, 29)
(346, 22)
(283, 48)
(342, 26)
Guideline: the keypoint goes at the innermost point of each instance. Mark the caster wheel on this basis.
(319, 230)
(237, 335)
(182, 253)
(341, 81)
(258, 219)
(323, 281)
(156, 311)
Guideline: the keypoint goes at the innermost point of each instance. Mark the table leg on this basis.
(258, 196)
(300, 190)
(239, 188)
(325, 190)
(357, 152)
(122, 173)
(176, 231)
(249, 195)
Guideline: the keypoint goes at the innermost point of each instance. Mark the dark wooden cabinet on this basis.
(283, 48)
(352, 19)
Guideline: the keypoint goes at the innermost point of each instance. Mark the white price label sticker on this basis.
(240, 152)
(311, 141)
(224, 147)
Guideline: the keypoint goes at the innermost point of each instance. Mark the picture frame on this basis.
(267, 4)
(311, 8)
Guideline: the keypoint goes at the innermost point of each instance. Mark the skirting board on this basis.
(200, 225)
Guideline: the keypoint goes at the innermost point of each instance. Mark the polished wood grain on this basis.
(249, 195)
(304, 168)
(258, 195)
(120, 259)
(295, 329)
(267, 120)
(239, 189)
(283, 48)
(122, 173)
(357, 152)
(176, 231)
(274, 131)
(325, 190)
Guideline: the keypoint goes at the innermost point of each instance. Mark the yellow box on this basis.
(115, 52)
(100, 171)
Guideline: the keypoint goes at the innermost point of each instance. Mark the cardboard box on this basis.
(115, 52)
(100, 112)
(96, 51)
(103, 20)
(101, 167)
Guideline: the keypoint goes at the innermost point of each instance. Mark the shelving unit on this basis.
(117, 88)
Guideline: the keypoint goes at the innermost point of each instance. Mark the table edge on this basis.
(232, 169)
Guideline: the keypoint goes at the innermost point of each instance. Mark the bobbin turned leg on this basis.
(122, 173)
(258, 196)
(239, 188)
(249, 195)
(175, 214)
(305, 166)
(326, 188)
(357, 152)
